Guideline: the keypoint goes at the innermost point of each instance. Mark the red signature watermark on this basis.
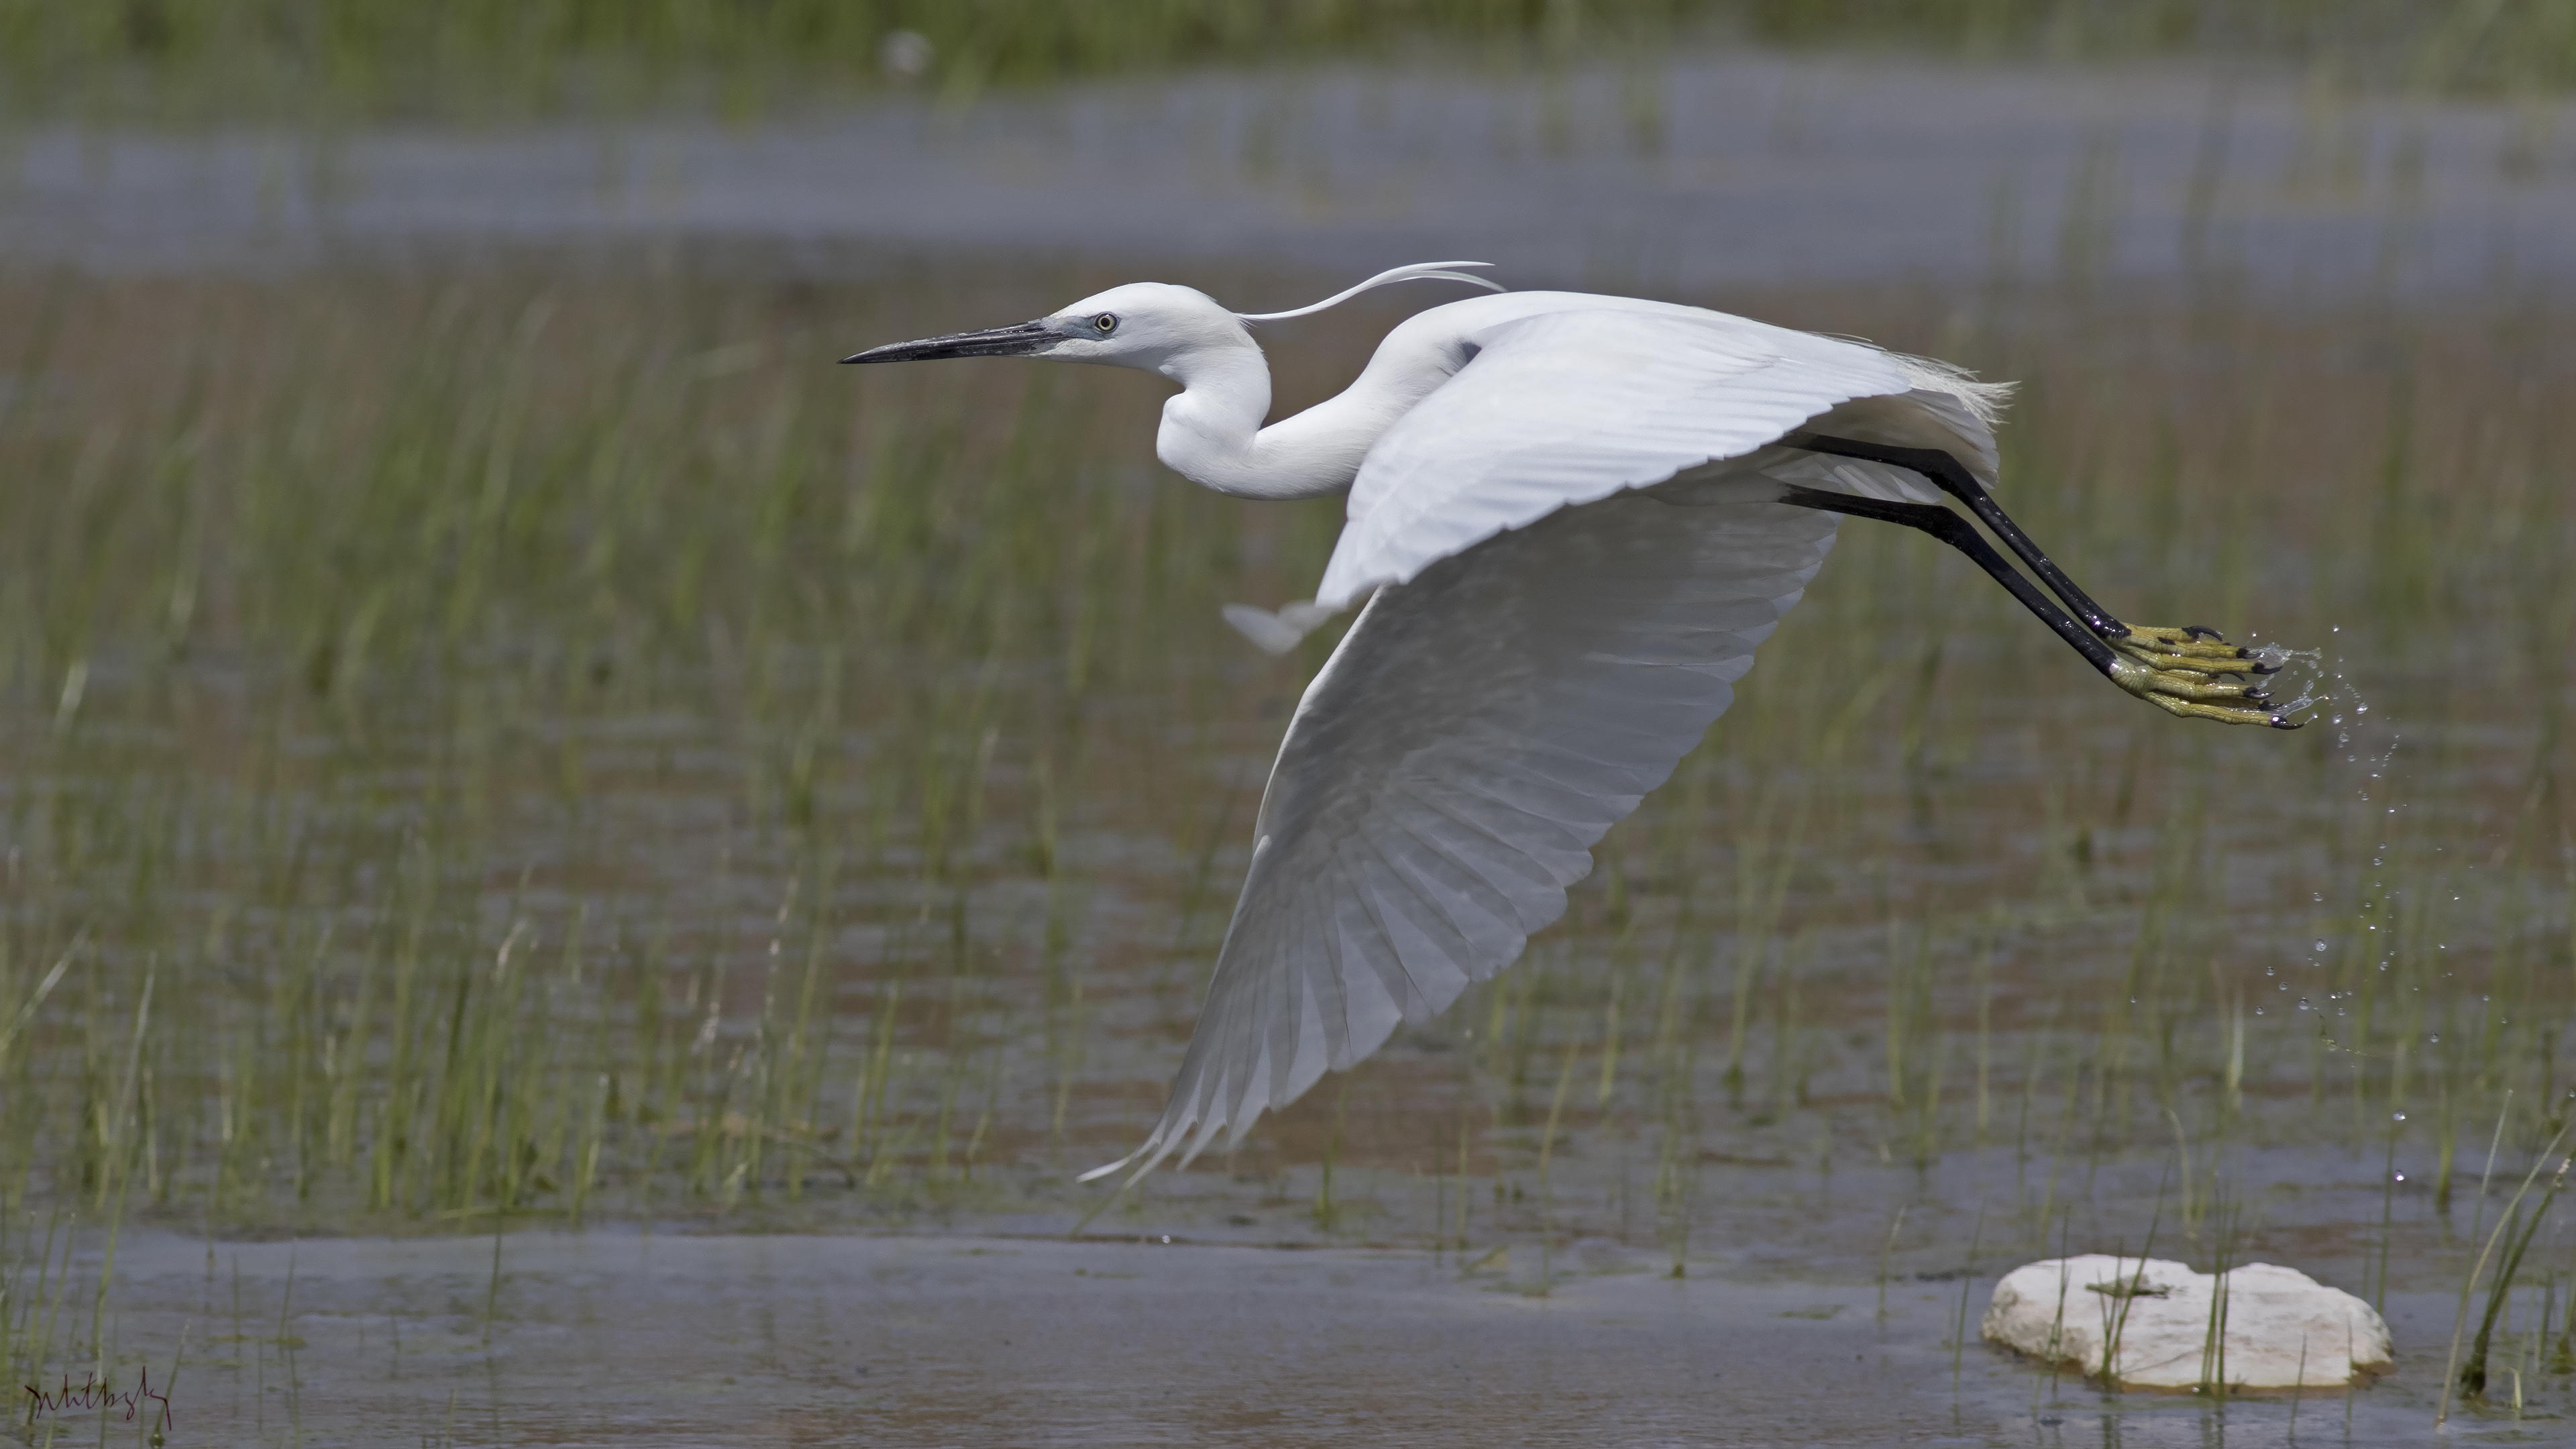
(95, 1394)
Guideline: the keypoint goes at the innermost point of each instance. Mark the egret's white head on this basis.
(1148, 325)
(1142, 324)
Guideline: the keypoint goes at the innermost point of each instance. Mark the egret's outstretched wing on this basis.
(1544, 647)
(1446, 775)
(1574, 404)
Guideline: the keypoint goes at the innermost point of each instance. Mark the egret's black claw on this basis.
(2203, 631)
(2267, 668)
(2279, 723)
(2256, 695)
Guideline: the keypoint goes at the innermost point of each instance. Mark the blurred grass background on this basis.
(531, 741)
(203, 60)
(499, 741)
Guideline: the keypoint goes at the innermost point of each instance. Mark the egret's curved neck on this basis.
(1212, 432)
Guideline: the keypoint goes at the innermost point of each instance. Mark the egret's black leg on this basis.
(1953, 478)
(2177, 685)
(1957, 532)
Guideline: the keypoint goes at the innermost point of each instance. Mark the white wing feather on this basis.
(1446, 775)
(1542, 649)
(1566, 407)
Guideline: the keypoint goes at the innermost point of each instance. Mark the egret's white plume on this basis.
(1419, 271)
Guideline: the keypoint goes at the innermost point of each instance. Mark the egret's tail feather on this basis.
(1279, 632)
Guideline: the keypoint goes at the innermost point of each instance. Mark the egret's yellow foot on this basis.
(2181, 671)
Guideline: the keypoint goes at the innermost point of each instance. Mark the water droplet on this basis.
(2401, 1177)
(2397, 1116)
(2321, 943)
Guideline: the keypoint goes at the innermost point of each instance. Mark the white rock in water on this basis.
(2158, 1317)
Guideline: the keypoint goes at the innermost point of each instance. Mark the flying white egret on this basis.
(1572, 517)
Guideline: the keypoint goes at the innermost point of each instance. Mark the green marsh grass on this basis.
(487, 749)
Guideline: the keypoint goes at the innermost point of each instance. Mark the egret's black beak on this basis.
(1018, 341)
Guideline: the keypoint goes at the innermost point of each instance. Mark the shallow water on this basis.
(628, 1338)
(1697, 170)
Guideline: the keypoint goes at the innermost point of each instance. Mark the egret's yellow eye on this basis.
(1106, 321)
